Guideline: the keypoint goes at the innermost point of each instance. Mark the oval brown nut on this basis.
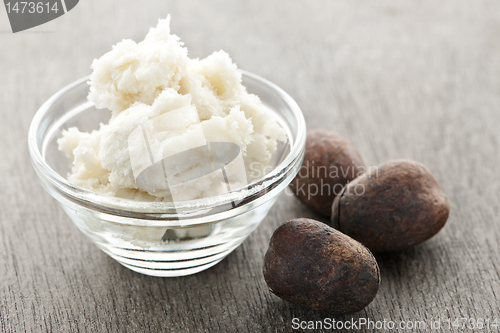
(392, 207)
(312, 264)
(330, 162)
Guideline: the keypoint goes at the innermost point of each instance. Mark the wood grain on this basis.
(401, 79)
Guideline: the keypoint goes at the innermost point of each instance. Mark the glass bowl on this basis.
(158, 238)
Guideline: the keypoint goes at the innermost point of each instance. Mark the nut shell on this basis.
(312, 264)
(401, 205)
(330, 162)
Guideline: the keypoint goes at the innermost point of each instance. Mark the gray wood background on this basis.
(401, 79)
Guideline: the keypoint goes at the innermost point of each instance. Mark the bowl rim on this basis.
(127, 207)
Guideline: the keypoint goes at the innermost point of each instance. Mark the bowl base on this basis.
(205, 258)
(171, 273)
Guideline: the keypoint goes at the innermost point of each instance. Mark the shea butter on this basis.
(180, 128)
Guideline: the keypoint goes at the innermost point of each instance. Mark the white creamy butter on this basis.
(163, 103)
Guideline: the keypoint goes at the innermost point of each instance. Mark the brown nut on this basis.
(392, 207)
(330, 162)
(312, 264)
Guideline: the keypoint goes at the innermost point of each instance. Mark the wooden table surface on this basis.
(400, 79)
